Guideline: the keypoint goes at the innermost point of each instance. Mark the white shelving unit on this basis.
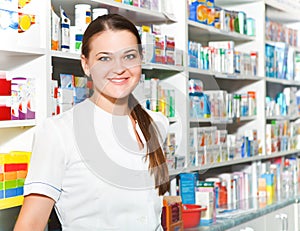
(39, 61)
(202, 31)
(17, 123)
(186, 29)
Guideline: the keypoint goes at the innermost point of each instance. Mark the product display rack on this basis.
(17, 123)
(205, 32)
(40, 60)
(283, 81)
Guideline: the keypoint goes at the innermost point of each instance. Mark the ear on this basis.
(84, 65)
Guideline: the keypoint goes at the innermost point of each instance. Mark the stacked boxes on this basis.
(172, 213)
(72, 90)
(17, 97)
(5, 92)
(13, 171)
(205, 12)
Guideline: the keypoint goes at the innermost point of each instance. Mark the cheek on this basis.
(136, 74)
(99, 82)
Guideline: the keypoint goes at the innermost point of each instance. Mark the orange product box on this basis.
(10, 175)
(202, 13)
(21, 174)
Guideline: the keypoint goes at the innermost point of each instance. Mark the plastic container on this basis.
(191, 215)
(82, 15)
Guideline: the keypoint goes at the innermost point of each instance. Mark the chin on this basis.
(116, 95)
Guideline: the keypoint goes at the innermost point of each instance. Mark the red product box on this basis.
(5, 112)
(5, 89)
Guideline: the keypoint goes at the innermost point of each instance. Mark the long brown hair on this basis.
(157, 160)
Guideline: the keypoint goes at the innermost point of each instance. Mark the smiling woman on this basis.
(101, 164)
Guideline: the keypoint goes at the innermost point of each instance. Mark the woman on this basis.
(100, 164)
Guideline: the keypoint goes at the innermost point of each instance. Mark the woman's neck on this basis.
(111, 105)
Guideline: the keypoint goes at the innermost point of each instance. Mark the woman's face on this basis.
(114, 63)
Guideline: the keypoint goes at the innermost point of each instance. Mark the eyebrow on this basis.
(110, 53)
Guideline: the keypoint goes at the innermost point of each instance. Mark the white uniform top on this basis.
(89, 194)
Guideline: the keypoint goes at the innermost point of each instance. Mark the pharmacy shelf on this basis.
(237, 77)
(247, 118)
(157, 66)
(11, 57)
(174, 172)
(136, 14)
(222, 120)
(279, 154)
(212, 121)
(147, 66)
(233, 2)
(21, 51)
(287, 7)
(219, 75)
(283, 11)
(283, 81)
(17, 123)
(198, 31)
(11, 202)
(193, 70)
(65, 55)
(283, 117)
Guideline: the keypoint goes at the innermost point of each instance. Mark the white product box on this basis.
(65, 96)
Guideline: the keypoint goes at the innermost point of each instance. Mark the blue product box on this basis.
(20, 191)
(80, 94)
(187, 187)
(66, 81)
(193, 11)
(10, 193)
(269, 178)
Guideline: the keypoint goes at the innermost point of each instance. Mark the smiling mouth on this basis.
(118, 80)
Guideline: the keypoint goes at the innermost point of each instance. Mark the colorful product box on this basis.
(205, 196)
(148, 41)
(13, 171)
(31, 99)
(65, 96)
(145, 4)
(19, 98)
(66, 80)
(155, 5)
(128, 2)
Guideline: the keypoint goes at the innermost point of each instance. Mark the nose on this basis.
(118, 67)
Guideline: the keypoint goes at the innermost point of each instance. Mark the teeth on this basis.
(117, 80)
